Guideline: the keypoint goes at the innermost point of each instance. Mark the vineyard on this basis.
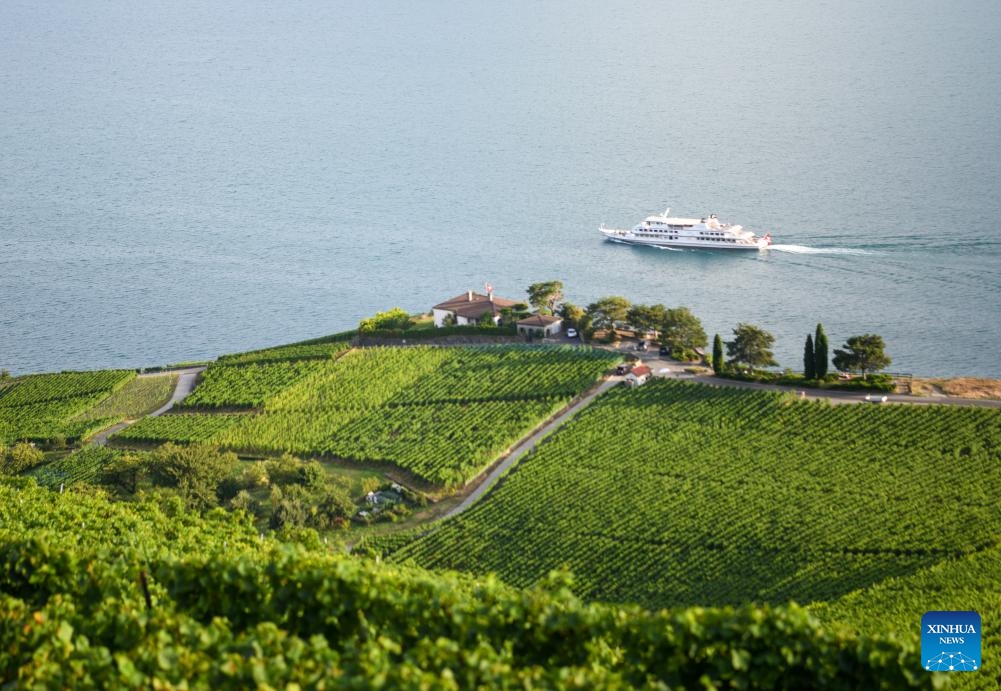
(140, 396)
(96, 594)
(442, 414)
(315, 351)
(249, 385)
(43, 406)
(185, 429)
(84, 465)
(969, 582)
(679, 494)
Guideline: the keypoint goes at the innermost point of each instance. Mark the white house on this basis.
(469, 308)
(638, 375)
(540, 325)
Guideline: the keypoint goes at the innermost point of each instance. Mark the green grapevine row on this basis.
(144, 595)
(81, 466)
(140, 396)
(441, 413)
(249, 385)
(699, 495)
(40, 388)
(42, 407)
(316, 351)
(185, 429)
(509, 374)
(893, 606)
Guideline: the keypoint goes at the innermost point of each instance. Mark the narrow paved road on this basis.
(185, 385)
(676, 370)
(529, 444)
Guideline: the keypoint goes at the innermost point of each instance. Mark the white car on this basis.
(571, 333)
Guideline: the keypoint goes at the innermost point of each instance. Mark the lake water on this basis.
(181, 179)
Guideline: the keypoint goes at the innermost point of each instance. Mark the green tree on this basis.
(509, 316)
(646, 317)
(682, 332)
(333, 509)
(196, 471)
(243, 501)
(123, 472)
(571, 314)
(821, 357)
(717, 354)
(544, 296)
(809, 359)
(751, 346)
(312, 475)
(604, 312)
(284, 470)
(19, 458)
(863, 354)
(396, 318)
(289, 507)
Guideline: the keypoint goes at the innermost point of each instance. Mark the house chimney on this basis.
(491, 296)
(469, 295)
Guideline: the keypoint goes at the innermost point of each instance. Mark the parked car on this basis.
(642, 346)
(623, 369)
(664, 351)
(571, 333)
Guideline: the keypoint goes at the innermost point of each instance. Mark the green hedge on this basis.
(875, 382)
(421, 334)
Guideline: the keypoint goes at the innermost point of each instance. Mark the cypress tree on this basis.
(820, 356)
(717, 354)
(809, 355)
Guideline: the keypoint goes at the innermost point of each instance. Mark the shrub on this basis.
(18, 458)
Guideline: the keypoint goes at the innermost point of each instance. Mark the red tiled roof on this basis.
(640, 370)
(539, 320)
(462, 306)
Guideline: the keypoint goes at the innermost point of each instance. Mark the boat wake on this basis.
(803, 249)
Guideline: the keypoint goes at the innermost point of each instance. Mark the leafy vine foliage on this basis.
(230, 609)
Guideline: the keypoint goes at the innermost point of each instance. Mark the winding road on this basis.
(185, 385)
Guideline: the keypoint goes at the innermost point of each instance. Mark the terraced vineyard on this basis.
(140, 396)
(249, 385)
(442, 414)
(81, 466)
(314, 351)
(144, 594)
(679, 494)
(895, 605)
(43, 406)
(185, 429)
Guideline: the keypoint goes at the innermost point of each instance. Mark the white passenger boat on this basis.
(705, 233)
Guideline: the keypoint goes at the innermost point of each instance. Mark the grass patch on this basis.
(962, 387)
(141, 396)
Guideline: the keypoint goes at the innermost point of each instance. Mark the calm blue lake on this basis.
(181, 179)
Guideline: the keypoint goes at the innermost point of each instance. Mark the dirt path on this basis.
(185, 385)
(528, 445)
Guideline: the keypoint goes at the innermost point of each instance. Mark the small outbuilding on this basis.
(540, 325)
(638, 375)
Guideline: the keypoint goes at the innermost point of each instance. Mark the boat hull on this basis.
(629, 238)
